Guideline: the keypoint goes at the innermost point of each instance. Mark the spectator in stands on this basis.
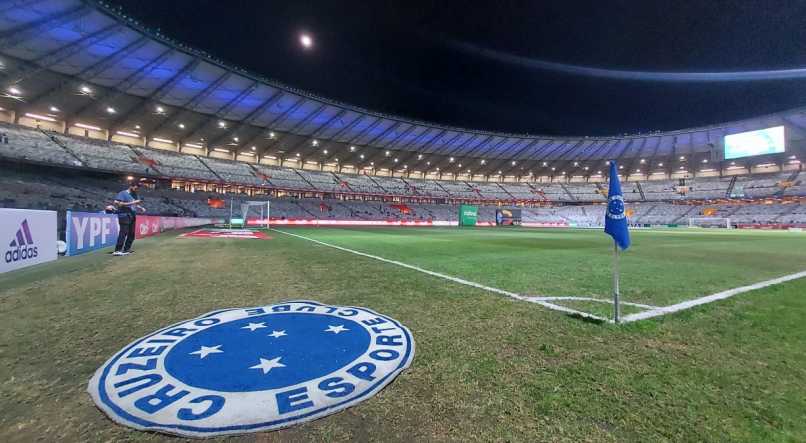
(5, 138)
(128, 202)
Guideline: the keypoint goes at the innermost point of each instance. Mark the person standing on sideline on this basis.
(128, 202)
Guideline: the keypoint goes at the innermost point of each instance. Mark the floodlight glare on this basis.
(110, 110)
(14, 91)
(306, 41)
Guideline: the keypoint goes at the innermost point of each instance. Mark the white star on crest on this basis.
(268, 365)
(253, 326)
(336, 329)
(277, 334)
(205, 351)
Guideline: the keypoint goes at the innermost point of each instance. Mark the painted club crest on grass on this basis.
(253, 369)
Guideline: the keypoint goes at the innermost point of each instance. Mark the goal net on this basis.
(710, 222)
(257, 211)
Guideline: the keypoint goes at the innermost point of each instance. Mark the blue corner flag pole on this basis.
(616, 227)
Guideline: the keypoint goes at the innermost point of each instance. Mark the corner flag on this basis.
(616, 218)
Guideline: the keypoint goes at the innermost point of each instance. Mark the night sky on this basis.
(438, 60)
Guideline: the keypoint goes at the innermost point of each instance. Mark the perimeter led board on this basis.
(749, 144)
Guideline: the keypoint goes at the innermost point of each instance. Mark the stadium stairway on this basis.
(340, 180)
(304, 179)
(792, 178)
(685, 215)
(730, 186)
(377, 184)
(505, 190)
(573, 197)
(139, 155)
(62, 145)
(208, 167)
(787, 210)
(649, 211)
(640, 190)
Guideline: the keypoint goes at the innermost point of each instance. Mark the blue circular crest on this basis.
(615, 207)
(253, 369)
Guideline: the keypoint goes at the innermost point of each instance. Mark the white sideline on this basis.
(454, 279)
(710, 298)
(652, 311)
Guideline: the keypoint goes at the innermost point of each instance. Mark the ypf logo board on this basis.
(29, 238)
(253, 369)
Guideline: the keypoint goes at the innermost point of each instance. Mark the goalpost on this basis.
(250, 209)
(709, 222)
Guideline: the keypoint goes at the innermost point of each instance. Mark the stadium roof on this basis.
(87, 63)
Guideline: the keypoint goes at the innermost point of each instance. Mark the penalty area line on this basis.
(536, 300)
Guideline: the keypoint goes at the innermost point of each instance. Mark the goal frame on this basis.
(245, 206)
(696, 222)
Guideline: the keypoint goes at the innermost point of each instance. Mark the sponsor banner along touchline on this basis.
(87, 231)
(27, 237)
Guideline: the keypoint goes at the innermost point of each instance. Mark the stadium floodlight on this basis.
(271, 134)
(193, 145)
(705, 160)
(248, 154)
(643, 161)
(315, 142)
(270, 157)
(395, 160)
(325, 151)
(86, 90)
(352, 148)
(219, 149)
(138, 127)
(387, 153)
(306, 41)
(362, 156)
(128, 134)
(483, 161)
(54, 109)
(40, 117)
(513, 163)
(460, 165)
(336, 160)
(160, 109)
(14, 91)
(372, 163)
(553, 168)
(451, 160)
(682, 157)
(297, 154)
(660, 164)
(110, 110)
(85, 126)
(235, 138)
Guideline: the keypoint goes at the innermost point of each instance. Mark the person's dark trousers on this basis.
(126, 236)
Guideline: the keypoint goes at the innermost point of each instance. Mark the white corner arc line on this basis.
(535, 300)
(711, 298)
(653, 311)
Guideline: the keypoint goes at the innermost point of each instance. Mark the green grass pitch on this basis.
(488, 367)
